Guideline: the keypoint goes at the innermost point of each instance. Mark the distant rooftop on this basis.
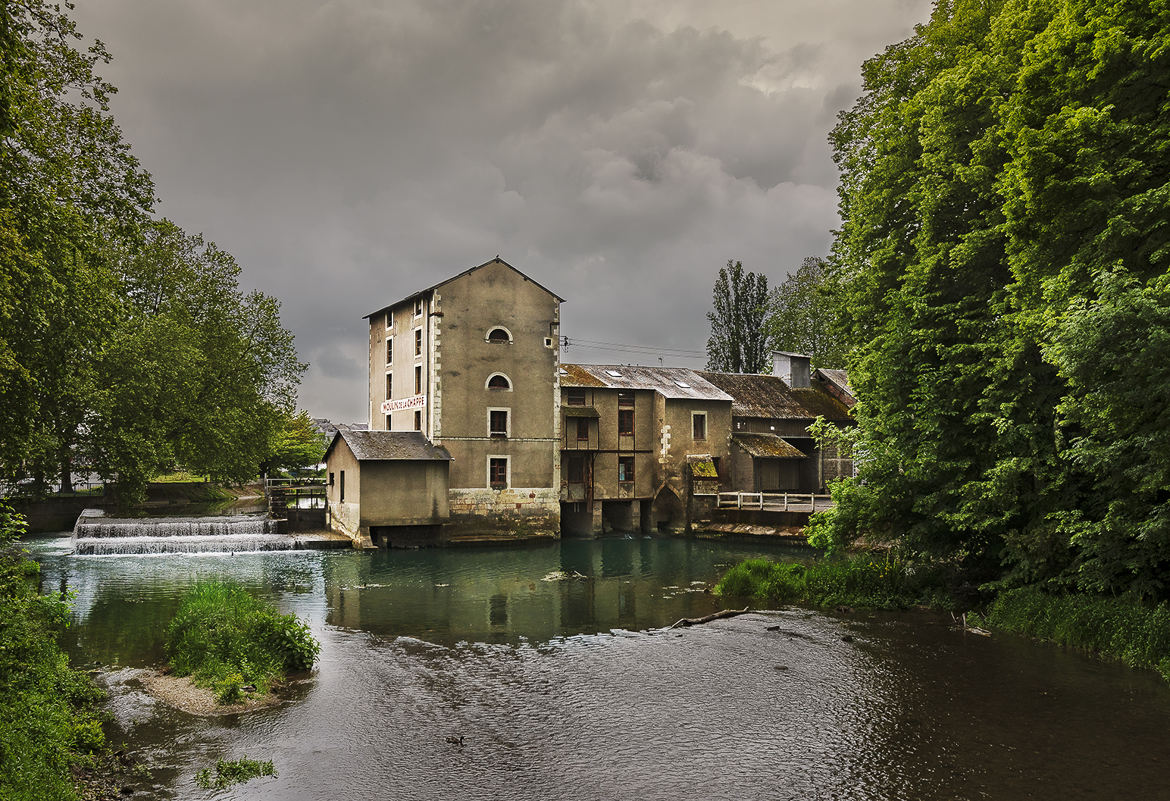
(768, 396)
(670, 382)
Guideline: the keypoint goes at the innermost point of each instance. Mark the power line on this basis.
(629, 347)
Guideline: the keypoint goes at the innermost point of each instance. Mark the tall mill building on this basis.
(471, 363)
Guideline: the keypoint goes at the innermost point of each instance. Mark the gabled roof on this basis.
(675, 383)
(432, 288)
(768, 446)
(380, 446)
(767, 396)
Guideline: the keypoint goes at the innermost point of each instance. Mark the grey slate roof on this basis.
(368, 446)
(675, 383)
(433, 287)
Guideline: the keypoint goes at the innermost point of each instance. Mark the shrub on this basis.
(232, 772)
(226, 639)
(880, 583)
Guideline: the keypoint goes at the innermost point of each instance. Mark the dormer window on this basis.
(499, 334)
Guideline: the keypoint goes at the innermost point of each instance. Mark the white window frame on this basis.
(706, 431)
(507, 469)
(487, 383)
(390, 350)
(417, 342)
(507, 410)
(419, 306)
(503, 328)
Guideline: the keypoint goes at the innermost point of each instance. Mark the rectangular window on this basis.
(498, 472)
(698, 425)
(418, 307)
(341, 485)
(625, 400)
(389, 425)
(498, 422)
(331, 479)
(574, 397)
(389, 350)
(389, 386)
(582, 429)
(626, 422)
(626, 469)
(575, 470)
(418, 379)
(418, 421)
(418, 342)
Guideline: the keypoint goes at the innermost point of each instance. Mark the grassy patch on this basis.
(865, 581)
(232, 772)
(179, 477)
(51, 715)
(232, 643)
(1129, 631)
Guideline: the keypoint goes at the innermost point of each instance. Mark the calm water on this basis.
(553, 663)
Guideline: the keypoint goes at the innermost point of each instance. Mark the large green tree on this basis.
(803, 315)
(1003, 196)
(739, 340)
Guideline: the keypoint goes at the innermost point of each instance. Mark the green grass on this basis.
(865, 581)
(179, 477)
(1128, 631)
(229, 641)
(50, 714)
(232, 772)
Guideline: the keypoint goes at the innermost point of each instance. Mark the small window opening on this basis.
(625, 400)
(498, 335)
(625, 469)
(574, 397)
(418, 342)
(582, 429)
(389, 350)
(499, 382)
(498, 423)
(498, 473)
(341, 486)
(418, 421)
(418, 380)
(699, 426)
(626, 422)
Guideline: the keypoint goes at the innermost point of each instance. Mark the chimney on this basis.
(793, 368)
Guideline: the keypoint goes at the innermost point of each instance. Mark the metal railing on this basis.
(295, 493)
(774, 501)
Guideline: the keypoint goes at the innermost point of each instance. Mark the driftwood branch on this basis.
(694, 621)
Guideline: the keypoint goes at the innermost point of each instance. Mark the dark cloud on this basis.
(350, 152)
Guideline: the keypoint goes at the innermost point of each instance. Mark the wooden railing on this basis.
(296, 493)
(774, 501)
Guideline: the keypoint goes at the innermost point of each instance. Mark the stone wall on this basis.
(514, 513)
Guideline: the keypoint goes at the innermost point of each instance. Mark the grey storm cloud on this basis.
(350, 152)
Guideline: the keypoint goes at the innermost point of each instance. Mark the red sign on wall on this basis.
(404, 404)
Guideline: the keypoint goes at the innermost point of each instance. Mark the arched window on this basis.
(498, 381)
(499, 334)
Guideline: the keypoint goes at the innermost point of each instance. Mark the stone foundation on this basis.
(508, 514)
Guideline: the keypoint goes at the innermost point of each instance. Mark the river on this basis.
(554, 664)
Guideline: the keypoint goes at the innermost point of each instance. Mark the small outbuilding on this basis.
(387, 488)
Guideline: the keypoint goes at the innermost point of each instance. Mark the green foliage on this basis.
(1132, 632)
(122, 339)
(50, 714)
(862, 581)
(738, 341)
(232, 772)
(225, 639)
(296, 445)
(803, 315)
(1001, 275)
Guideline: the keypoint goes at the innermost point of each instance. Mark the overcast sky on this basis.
(348, 153)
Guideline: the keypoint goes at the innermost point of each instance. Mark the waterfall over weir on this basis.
(95, 534)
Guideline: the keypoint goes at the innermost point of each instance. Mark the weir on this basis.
(96, 534)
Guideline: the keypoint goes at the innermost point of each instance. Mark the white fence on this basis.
(775, 501)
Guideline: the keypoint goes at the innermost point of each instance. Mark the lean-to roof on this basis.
(768, 446)
(674, 383)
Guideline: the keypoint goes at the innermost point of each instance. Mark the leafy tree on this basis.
(738, 341)
(1004, 202)
(803, 316)
(296, 444)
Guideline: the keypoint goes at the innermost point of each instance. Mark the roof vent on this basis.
(682, 385)
(613, 373)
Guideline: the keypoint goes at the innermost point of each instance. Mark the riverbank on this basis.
(1136, 634)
